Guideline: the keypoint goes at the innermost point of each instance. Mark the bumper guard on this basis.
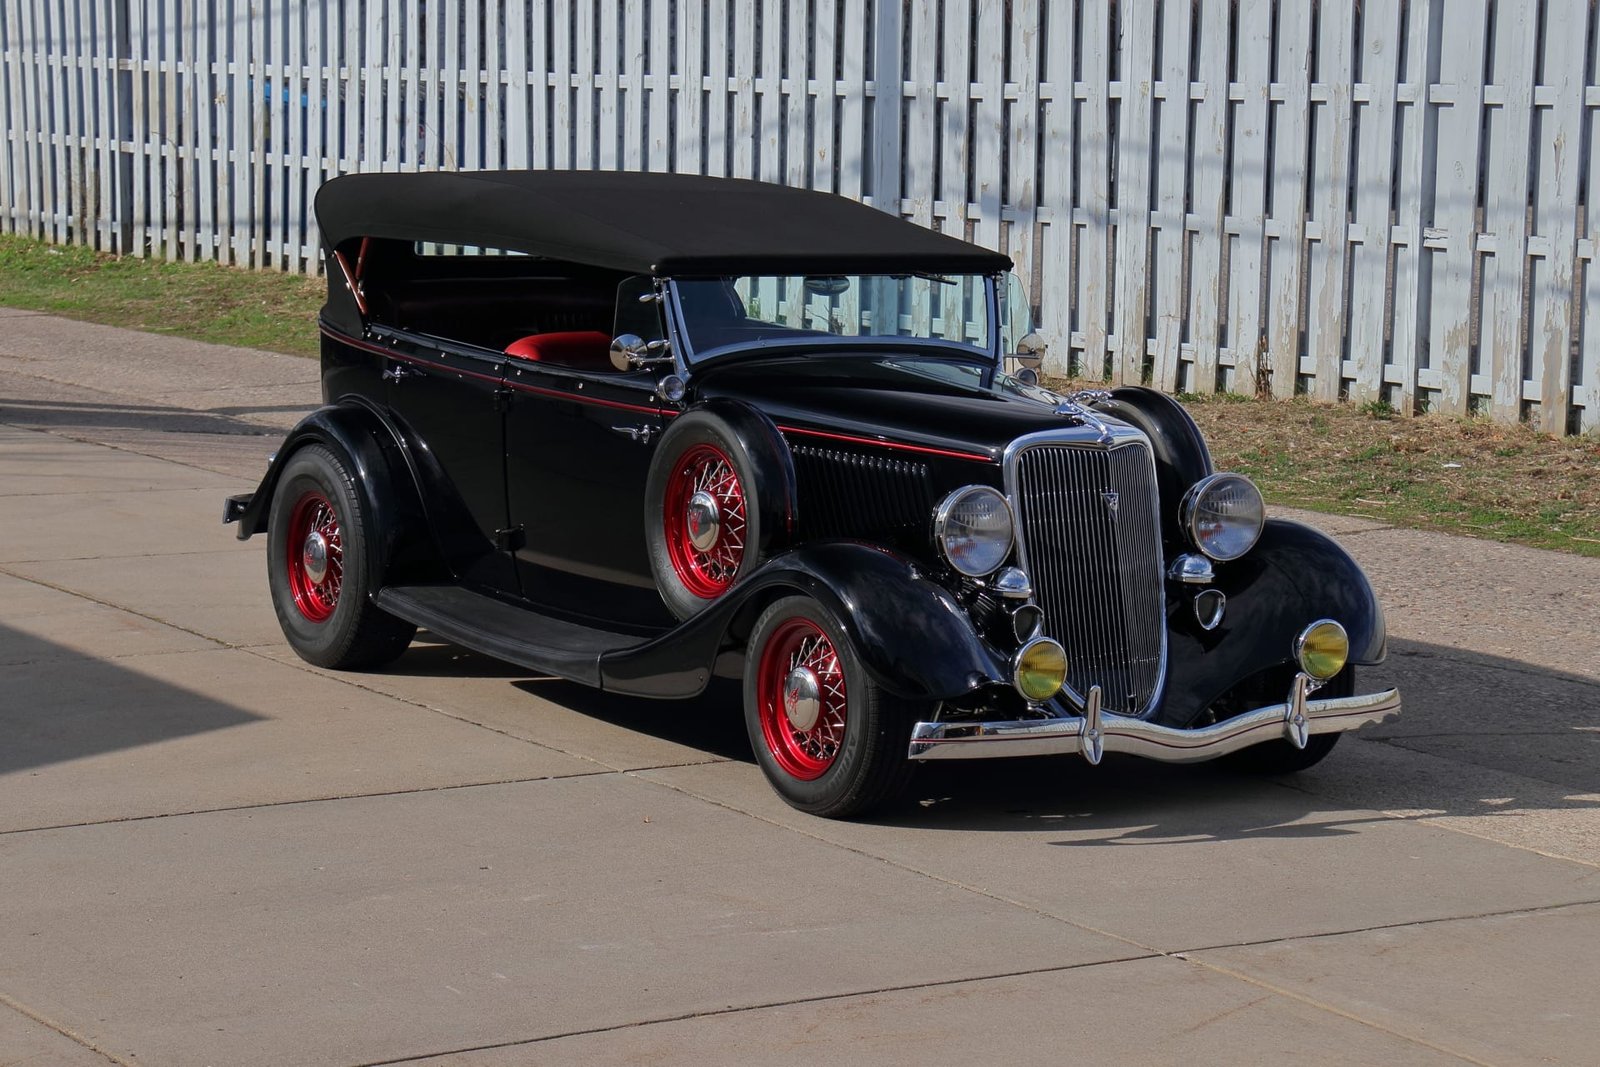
(1095, 732)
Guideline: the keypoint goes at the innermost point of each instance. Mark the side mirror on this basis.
(1030, 351)
(1027, 376)
(629, 351)
(626, 349)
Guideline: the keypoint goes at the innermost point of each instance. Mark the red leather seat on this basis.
(581, 349)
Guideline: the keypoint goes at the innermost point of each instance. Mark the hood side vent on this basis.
(855, 494)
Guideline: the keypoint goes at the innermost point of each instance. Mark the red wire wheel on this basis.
(705, 520)
(800, 694)
(315, 556)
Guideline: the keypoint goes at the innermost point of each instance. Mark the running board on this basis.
(515, 634)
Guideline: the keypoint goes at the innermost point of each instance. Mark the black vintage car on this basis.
(638, 431)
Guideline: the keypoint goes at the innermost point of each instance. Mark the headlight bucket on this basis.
(1322, 649)
(974, 530)
(1039, 669)
(1223, 515)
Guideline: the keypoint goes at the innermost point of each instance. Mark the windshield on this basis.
(948, 312)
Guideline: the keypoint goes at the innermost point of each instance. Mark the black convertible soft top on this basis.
(664, 224)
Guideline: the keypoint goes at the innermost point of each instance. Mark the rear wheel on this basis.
(1281, 757)
(320, 567)
(830, 740)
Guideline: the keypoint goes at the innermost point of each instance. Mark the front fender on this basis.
(912, 636)
(1294, 576)
(368, 445)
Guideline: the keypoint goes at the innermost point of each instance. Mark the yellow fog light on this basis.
(1040, 669)
(1322, 649)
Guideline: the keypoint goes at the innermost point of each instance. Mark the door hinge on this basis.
(502, 398)
(510, 540)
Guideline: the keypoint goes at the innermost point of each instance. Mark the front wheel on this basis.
(320, 567)
(830, 740)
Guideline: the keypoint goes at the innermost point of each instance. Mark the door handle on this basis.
(400, 372)
(641, 434)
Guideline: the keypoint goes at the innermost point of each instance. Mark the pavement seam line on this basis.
(6, 570)
(64, 1030)
(821, 998)
(337, 797)
(1149, 949)
(1438, 920)
(1332, 1009)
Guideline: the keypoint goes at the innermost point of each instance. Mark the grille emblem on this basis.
(1112, 499)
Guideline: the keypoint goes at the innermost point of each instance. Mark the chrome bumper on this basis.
(1095, 733)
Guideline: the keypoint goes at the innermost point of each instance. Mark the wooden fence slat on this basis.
(1021, 193)
(1288, 194)
(988, 138)
(1325, 315)
(1506, 206)
(920, 134)
(1094, 184)
(1556, 215)
(854, 163)
(797, 160)
(1379, 53)
(1056, 191)
(1249, 181)
(608, 89)
(1590, 354)
(691, 93)
(634, 155)
(1455, 204)
(1413, 281)
(744, 118)
(660, 149)
(954, 144)
(1209, 156)
(824, 161)
(1134, 141)
(769, 96)
(1171, 195)
(717, 67)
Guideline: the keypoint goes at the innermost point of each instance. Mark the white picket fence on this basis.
(1384, 200)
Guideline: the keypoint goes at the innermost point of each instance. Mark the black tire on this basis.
(329, 621)
(1281, 757)
(700, 448)
(825, 770)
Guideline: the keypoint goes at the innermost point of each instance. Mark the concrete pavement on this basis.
(212, 853)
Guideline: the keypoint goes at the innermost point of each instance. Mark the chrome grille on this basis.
(1091, 542)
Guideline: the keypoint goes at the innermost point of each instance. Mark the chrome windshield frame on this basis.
(686, 357)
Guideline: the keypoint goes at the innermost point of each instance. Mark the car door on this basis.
(579, 443)
(449, 400)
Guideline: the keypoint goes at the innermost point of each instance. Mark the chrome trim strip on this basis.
(1121, 733)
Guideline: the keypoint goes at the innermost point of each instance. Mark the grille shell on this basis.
(1096, 565)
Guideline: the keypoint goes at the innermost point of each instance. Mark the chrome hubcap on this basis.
(314, 556)
(802, 698)
(703, 521)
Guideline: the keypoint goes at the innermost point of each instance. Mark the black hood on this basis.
(904, 400)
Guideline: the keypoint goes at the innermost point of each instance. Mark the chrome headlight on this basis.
(973, 529)
(1223, 515)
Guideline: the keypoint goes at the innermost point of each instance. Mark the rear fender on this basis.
(378, 464)
(911, 635)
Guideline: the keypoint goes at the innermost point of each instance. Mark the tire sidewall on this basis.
(686, 431)
(318, 469)
(850, 765)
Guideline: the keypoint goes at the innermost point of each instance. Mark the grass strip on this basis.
(204, 301)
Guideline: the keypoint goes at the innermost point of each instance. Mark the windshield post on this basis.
(992, 299)
(677, 334)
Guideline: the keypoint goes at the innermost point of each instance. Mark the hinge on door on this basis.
(510, 540)
(502, 398)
